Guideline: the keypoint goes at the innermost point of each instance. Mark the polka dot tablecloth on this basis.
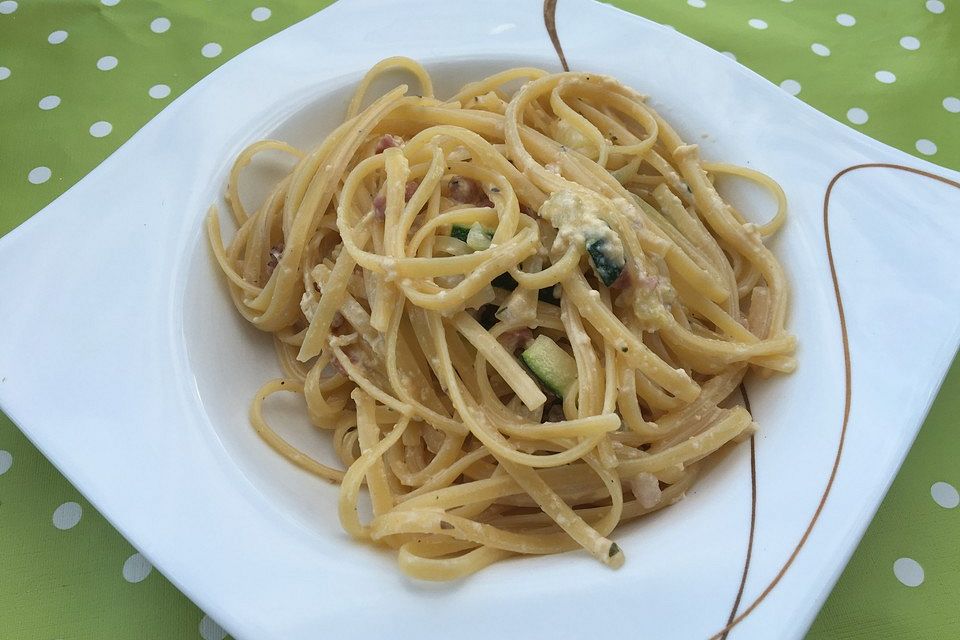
(79, 77)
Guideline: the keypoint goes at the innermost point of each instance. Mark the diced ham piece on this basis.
(515, 338)
(388, 141)
(623, 281)
(380, 206)
(275, 252)
(380, 200)
(411, 189)
(335, 363)
(463, 189)
(467, 191)
(354, 355)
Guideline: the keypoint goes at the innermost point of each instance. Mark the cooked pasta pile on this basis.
(517, 314)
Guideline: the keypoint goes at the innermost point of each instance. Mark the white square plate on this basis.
(125, 363)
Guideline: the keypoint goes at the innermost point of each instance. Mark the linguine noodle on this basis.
(518, 314)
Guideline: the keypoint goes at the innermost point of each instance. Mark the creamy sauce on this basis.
(579, 220)
(570, 137)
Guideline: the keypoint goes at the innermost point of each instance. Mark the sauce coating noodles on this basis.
(518, 315)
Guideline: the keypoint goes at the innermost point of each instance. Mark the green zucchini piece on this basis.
(552, 365)
(459, 232)
(478, 238)
(505, 281)
(608, 270)
(462, 232)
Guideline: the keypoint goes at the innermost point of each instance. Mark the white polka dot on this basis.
(935, 6)
(210, 630)
(39, 175)
(908, 571)
(159, 91)
(136, 568)
(106, 63)
(110, 3)
(857, 115)
(211, 50)
(909, 43)
(846, 20)
(262, 13)
(57, 36)
(886, 77)
(4, 73)
(944, 493)
(6, 461)
(8, 6)
(49, 102)
(951, 104)
(67, 515)
(790, 86)
(757, 23)
(820, 49)
(786, 0)
(160, 25)
(729, 54)
(699, 4)
(926, 147)
(100, 129)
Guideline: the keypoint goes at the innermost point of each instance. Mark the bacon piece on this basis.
(275, 252)
(515, 338)
(410, 189)
(335, 363)
(388, 141)
(467, 191)
(380, 200)
(380, 206)
(354, 354)
(623, 281)
(463, 189)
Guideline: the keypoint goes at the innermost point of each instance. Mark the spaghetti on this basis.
(517, 313)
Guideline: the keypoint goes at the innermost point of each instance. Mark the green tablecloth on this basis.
(78, 77)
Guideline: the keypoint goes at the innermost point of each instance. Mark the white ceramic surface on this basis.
(125, 363)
